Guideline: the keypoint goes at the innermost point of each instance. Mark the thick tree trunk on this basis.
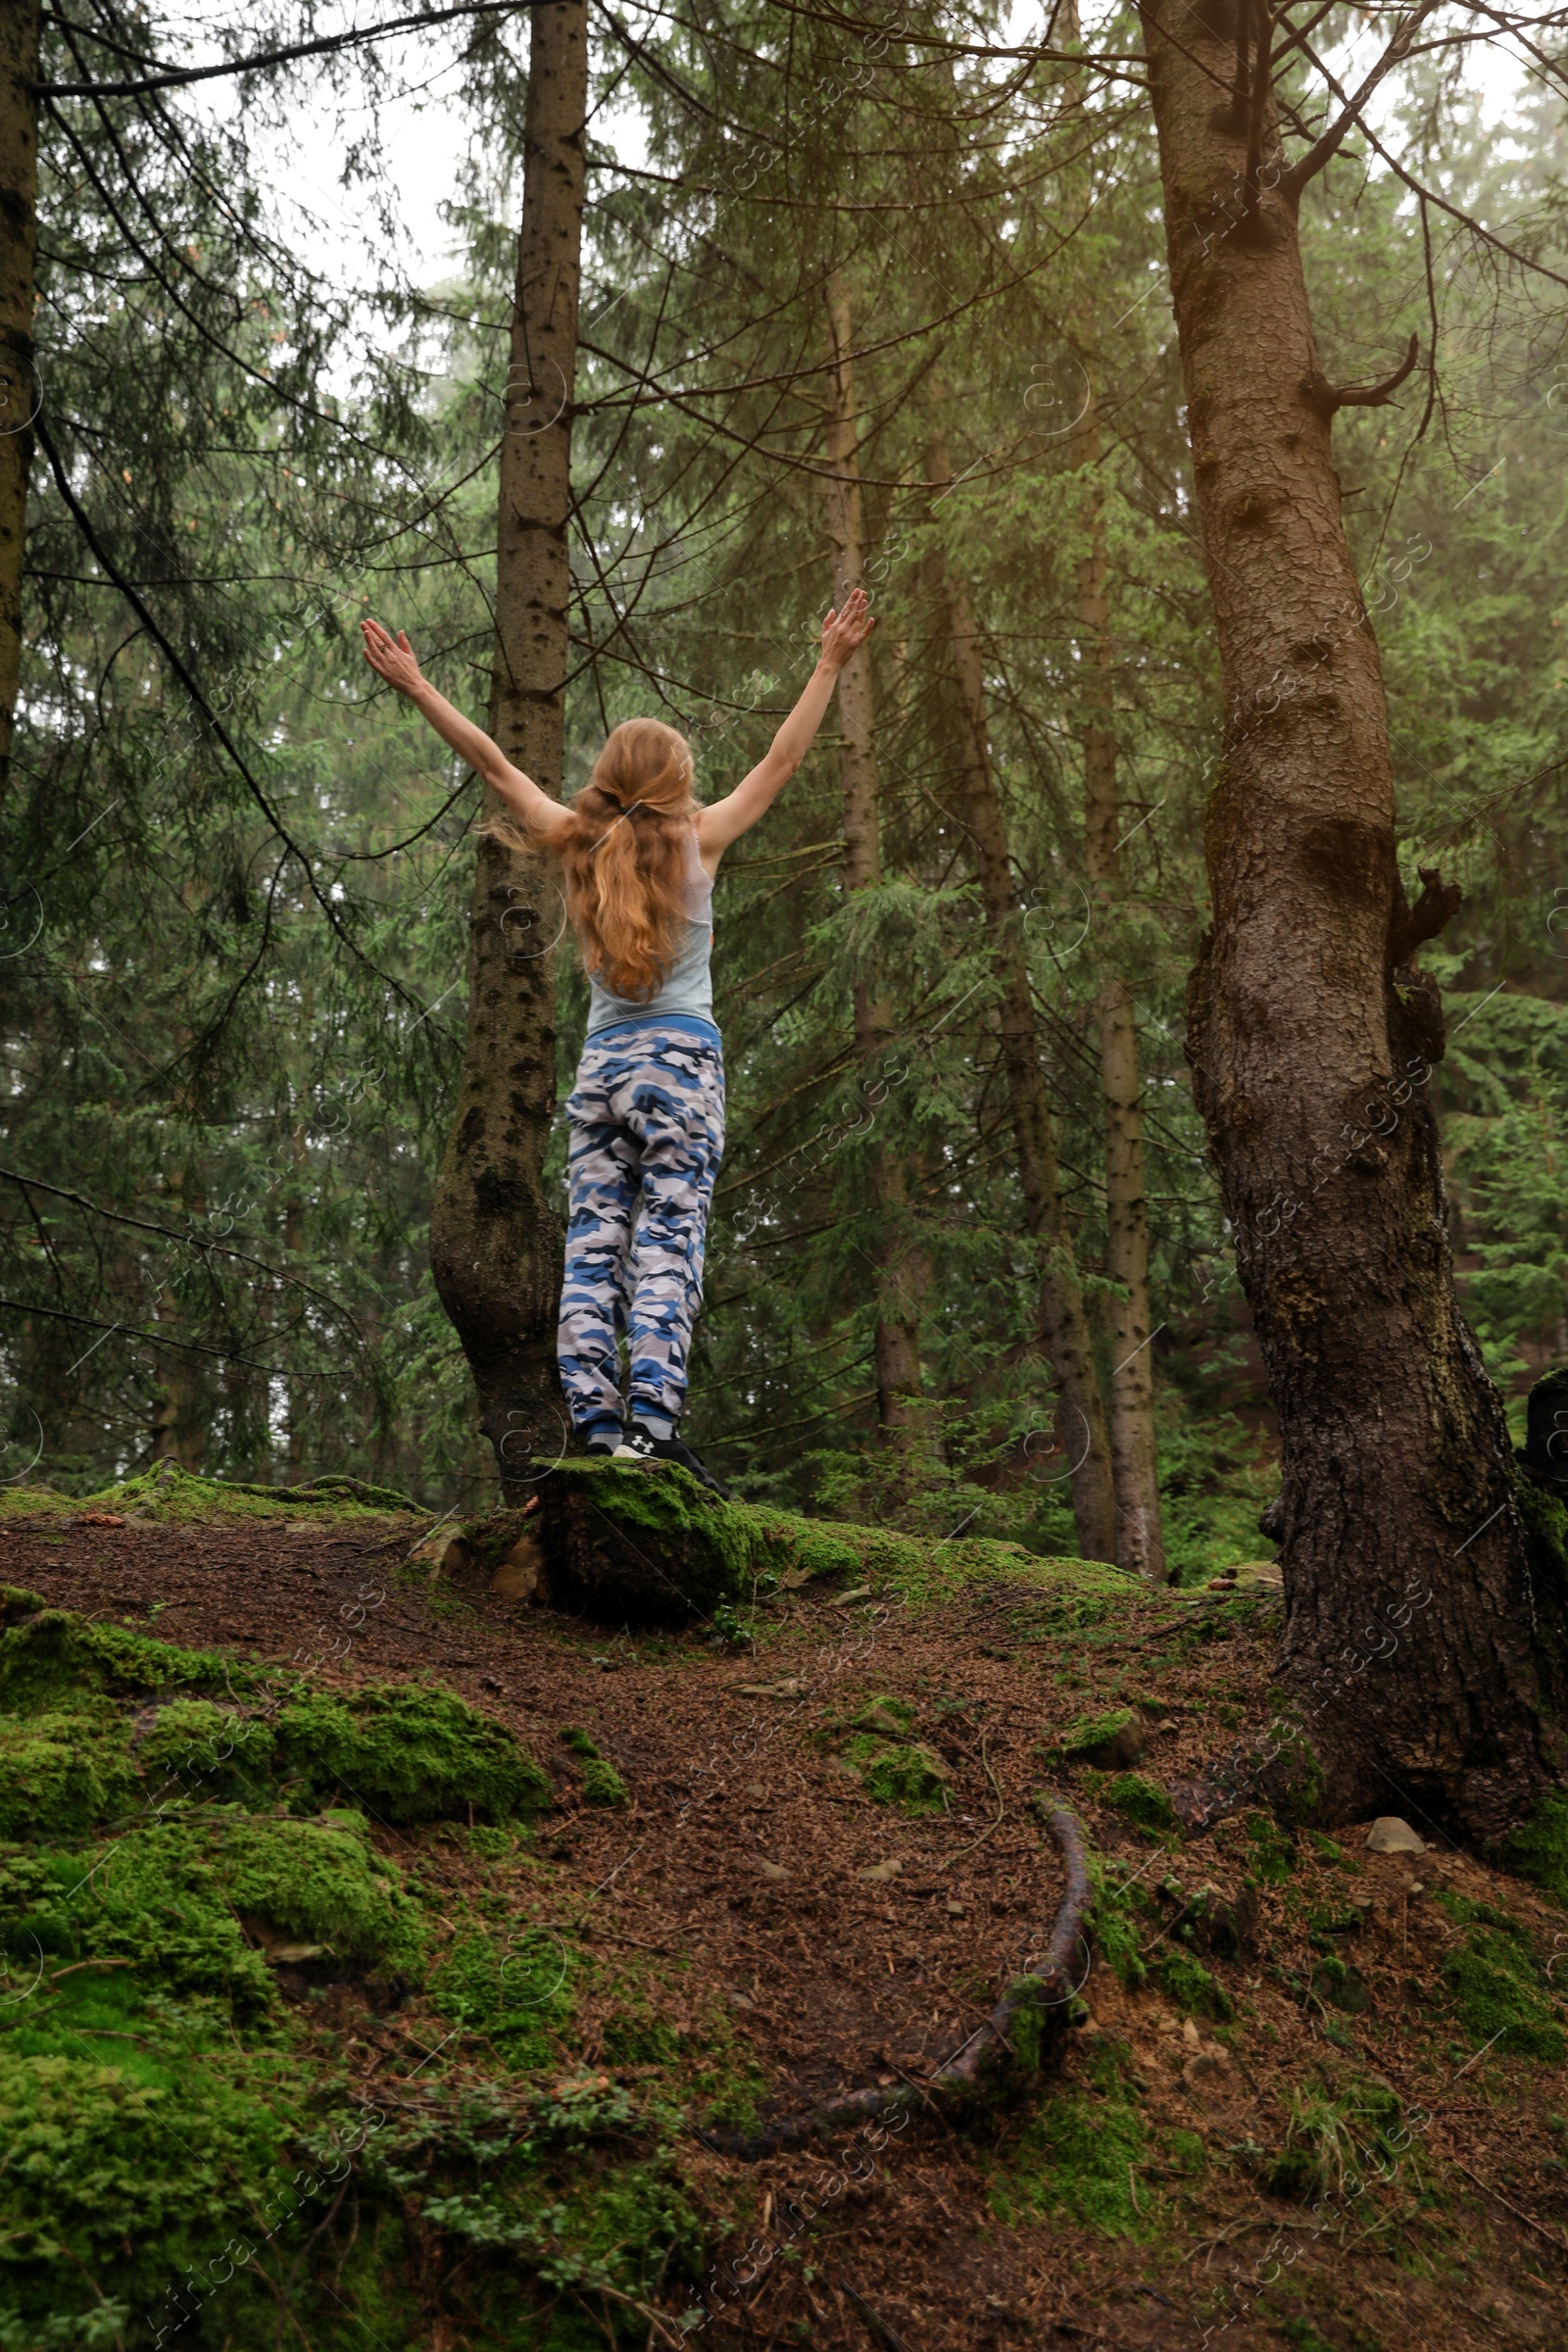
(181, 1402)
(1139, 1545)
(900, 1271)
(495, 1240)
(1064, 1334)
(19, 246)
(1309, 1043)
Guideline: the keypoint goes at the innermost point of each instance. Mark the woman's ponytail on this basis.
(626, 858)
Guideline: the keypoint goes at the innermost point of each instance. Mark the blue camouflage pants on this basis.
(646, 1134)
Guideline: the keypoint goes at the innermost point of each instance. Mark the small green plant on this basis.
(1339, 2146)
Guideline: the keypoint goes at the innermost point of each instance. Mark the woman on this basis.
(639, 855)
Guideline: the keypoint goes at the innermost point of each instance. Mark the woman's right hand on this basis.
(845, 632)
(391, 658)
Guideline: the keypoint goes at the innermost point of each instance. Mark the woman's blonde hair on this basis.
(626, 859)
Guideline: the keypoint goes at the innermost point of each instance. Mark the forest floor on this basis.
(1324, 2108)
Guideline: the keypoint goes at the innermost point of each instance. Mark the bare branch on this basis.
(1326, 397)
(1308, 166)
(176, 78)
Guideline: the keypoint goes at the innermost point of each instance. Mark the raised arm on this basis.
(542, 819)
(843, 635)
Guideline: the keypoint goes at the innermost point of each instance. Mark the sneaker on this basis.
(604, 1440)
(641, 1446)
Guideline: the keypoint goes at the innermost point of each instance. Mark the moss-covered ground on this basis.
(376, 1950)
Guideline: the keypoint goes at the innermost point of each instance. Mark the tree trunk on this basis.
(495, 1240)
(900, 1274)
(1311, 1037)
(1064, 1333)
(19, 246)
(1139, 1545)
(181, 1404)
(294, 1255)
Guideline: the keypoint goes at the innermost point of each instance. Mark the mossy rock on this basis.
(49, 1655)
(902, 1772)
(893, 1717)
(1339, 1984)
(148, 2173)
(59, 1772)
(1141, 1803)
(407, 1751)
(602, 1783)
(188, 1903)
(1110, 1742)
(176, 1497)
(194, 1747)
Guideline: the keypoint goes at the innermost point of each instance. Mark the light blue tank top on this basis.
(688, 990)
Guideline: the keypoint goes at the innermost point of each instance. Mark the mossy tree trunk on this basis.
(1139, 1545)
(1064, 1334)
(19, 247)
(899, 1270)
(1415, 1646)
(495, 1240)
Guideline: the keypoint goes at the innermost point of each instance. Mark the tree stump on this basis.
(622, 1542)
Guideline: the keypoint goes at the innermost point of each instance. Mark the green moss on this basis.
(516, 1990)
(36, 1502)
(1079, 2156)
(1538, 1850)
(891, 1716)
(195, 1748)
(172, 1899)
(1296, 1780)
(900, 1773)
(638, 2037)
(1502, 1992)
(59, 1772)
(602, 1783)
(177, 1497)
(1193, 1989)
(1141, 1802)
(409, 1752)
(1270, 1854)
(1114, 1923)
(138, 2186)
(1340, 1985)
(1187, 2153)
(54, 1654)
(798, 1550)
